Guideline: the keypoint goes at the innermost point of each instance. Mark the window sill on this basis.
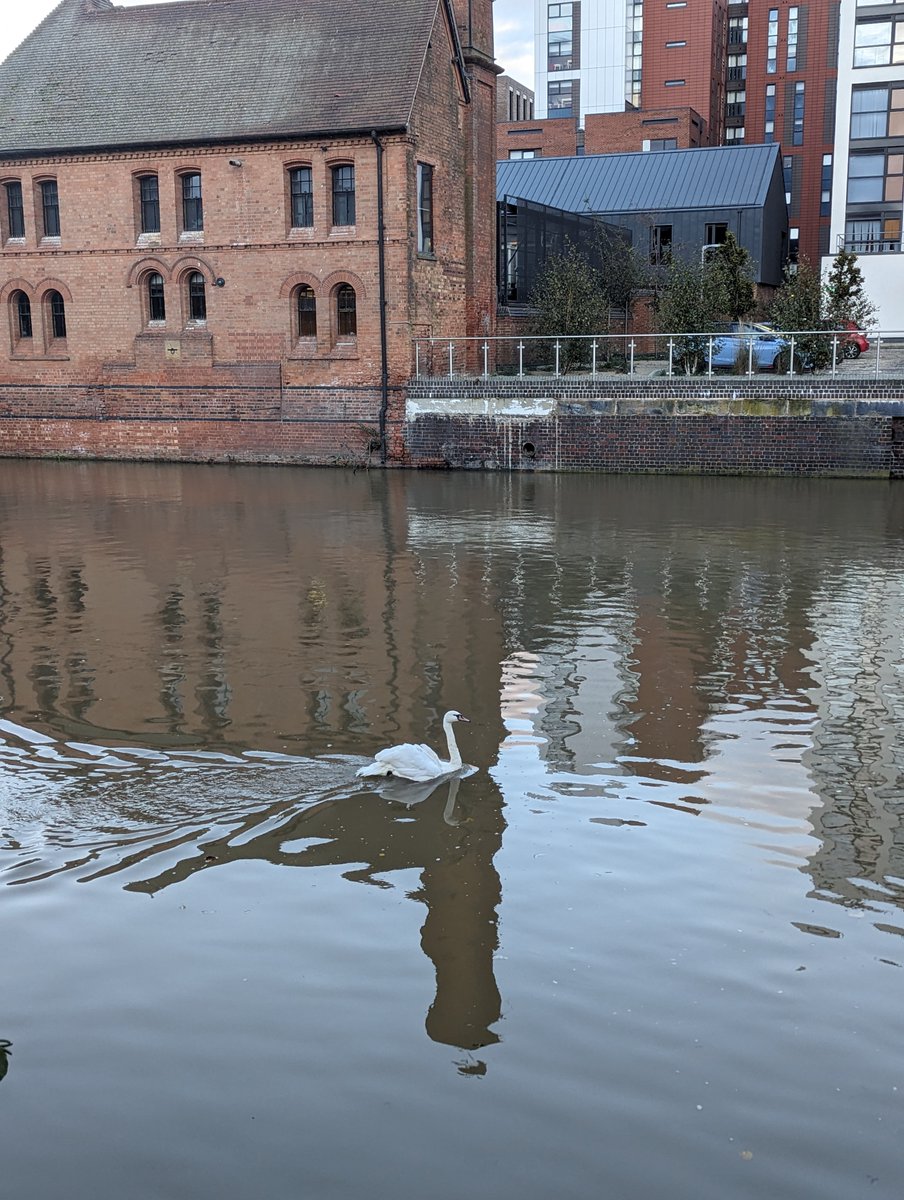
(191, 237)
(342, 350)
(15, 243)
(427, 255)
(49, 357)
(343, 231)
(50, 243)
(149, 239)
(305, 348)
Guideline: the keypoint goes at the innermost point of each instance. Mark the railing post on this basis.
(592, 352)
(671, 353)
(450, 361)
(750, 358)
(486, 350)
(791, 359)
(834, 355)
(557, 356)
(631, 346)
(521, 360)
(417, 360)
(709, 364)
(878, 352)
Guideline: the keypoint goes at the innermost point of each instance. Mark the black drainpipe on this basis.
(384, 353)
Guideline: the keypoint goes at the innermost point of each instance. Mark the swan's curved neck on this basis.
(454, 754)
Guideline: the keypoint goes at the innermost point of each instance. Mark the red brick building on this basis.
(684, 59)
(219, 236)
(790, 65)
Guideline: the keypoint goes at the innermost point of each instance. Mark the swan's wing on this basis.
(418, 763)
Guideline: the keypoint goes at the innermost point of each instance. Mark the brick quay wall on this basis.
(728, 425)
(810, 426)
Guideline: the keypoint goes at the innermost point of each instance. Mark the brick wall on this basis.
(556, 137)
(251, 261)
(769, 427)
(620, 133)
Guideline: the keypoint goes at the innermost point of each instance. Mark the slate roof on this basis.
(654, 181)
(93, 75)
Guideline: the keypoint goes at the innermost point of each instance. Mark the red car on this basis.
(855, 343)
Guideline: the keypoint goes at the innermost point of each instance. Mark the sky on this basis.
(514, 31)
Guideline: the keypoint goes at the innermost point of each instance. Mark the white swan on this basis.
(419, 763)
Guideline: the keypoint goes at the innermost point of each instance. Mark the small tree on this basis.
(798, 306)
(569, 301)
(729, 275)
(845, 298)
(622, 274)
(686, 305)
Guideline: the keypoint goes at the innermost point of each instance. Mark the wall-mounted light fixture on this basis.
(235, 162)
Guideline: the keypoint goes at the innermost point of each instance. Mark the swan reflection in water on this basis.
(409, 794)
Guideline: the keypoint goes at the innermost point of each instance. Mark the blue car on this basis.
(729, 352)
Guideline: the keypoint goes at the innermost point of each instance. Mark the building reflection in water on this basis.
(641, 631)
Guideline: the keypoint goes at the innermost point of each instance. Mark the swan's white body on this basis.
(417, 762)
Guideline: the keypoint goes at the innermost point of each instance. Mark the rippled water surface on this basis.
(650, 948)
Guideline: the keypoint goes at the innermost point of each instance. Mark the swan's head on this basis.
(452, 716)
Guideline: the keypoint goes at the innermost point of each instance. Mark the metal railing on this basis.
(747, 353)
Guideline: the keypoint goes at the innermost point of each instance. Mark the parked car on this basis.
(734, 348)
(855, 343)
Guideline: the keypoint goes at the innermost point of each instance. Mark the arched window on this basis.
(346, 311)
(22, 312)
(306, 311)
(156, 297)
(197, 297)
(56, 312)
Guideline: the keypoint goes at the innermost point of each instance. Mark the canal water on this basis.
(652, 946)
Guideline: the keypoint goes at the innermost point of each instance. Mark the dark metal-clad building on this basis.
(672, 201)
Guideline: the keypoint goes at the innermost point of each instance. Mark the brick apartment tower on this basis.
(782, 79)
(684, 49)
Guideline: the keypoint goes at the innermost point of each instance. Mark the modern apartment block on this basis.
(757, 71)
(609, 56)
(868, 191)
(781, 87)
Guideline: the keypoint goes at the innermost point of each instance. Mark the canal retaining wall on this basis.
(727, 425)
(722, 426)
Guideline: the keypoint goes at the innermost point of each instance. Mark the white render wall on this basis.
(883, 274)
(602, 54)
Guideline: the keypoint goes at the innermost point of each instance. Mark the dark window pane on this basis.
(425, 208)
(302, 192)
(57, 309)
(23, 314)
(197, 297)
(192, 210)
(343, 195)
(50, 207)
(347, 313)
(150, 204)
(306, 309)
(14, 209)
(156, 298)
